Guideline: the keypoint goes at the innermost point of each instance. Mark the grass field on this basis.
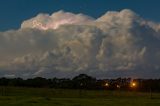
(12, 96)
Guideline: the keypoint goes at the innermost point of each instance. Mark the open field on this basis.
(12, 96)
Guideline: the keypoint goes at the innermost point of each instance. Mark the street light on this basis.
(133, 84)
(118, 86)
(106, 84)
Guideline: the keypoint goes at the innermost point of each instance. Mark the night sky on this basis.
(13, 12)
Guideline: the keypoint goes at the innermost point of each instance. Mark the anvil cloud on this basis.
(117, 44)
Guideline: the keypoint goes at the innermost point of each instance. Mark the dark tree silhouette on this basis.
(84, 81)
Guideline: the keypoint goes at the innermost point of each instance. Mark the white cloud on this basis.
(46, 21)
(116, 44)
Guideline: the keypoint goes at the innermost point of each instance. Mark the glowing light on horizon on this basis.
(106, 84)
(118, 86)
(133, 84)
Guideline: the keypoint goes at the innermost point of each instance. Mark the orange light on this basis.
(133, 84)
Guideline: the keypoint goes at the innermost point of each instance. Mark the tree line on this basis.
(84, 81)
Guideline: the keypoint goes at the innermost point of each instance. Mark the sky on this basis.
(64, 38)
(14, 12)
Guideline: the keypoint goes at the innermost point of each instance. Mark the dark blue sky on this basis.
(13, 12)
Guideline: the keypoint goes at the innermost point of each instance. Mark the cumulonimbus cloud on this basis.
(117, 44)
(45, 21)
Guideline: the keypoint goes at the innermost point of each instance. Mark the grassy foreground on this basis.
(12, 96)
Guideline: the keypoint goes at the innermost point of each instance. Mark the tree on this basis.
(84, 81)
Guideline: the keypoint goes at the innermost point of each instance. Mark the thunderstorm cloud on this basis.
(64, 44)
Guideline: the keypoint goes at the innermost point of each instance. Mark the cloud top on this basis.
(46, 21)
(117, 44)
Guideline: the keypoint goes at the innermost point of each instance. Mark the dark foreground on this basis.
(15, 96)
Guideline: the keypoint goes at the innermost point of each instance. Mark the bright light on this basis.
(133, 84)
(118, 86)
(106, 84)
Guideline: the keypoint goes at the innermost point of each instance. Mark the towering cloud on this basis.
(45, 21)
(118, 44)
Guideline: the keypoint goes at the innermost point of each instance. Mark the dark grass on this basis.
(16, 96)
